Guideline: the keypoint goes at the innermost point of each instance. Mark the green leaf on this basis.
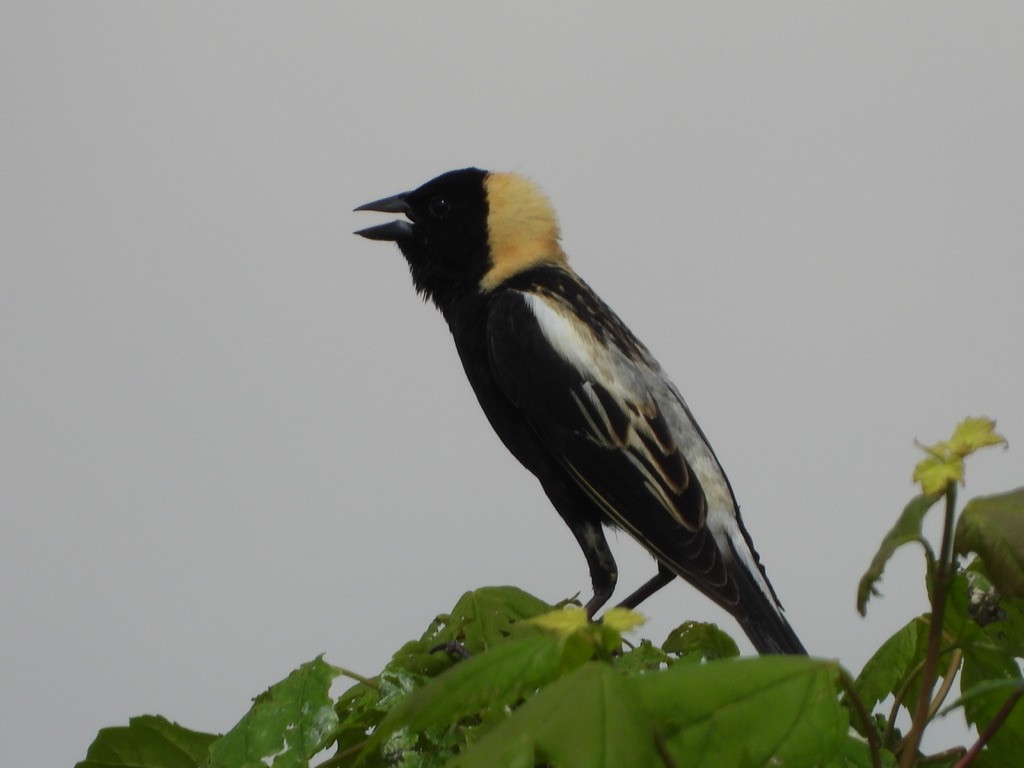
(480, 620)
(993, 526)
(1006, 748)
(906, 530)
(989, 674)
(1008, 632)
(996, 690)
(483, 618)
(287, 724)
(358, 710)
(148, 741)
(489, 681)
(985, 670)
(591, 718)
(958, 627)
(702, 714)
(760, 711)
(696, 640)
(855, 753)
(645, 657)
(886, 670)
(895, 667)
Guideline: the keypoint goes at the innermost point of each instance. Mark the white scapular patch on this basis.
(565, 336)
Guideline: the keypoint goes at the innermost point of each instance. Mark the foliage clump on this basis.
(505, 679)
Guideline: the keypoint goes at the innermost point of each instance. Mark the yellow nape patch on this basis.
(522, 229)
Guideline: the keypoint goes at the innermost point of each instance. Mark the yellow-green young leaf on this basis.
(562, 622)
(622, 619)
(993, 526)
(149, 741)
(934, 473)
(973, 433)
(906, 530)
(945, 461)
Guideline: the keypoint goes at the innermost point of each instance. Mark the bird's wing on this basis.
(603, 408)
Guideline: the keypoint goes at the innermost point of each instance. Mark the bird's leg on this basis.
(576, 510)
(603, 571)
(652, 585)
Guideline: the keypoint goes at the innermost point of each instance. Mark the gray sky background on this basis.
(231, 436)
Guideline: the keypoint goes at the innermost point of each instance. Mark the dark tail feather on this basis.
(772, 634)
(765, 625)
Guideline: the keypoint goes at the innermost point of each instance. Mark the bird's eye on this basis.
(439, 207)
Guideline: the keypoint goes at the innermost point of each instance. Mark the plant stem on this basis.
(943, 573)
(359, 678)
(947, 682)
(663, 753)
(339, 757)
(870, 732)
(900, 695)
(993, 726)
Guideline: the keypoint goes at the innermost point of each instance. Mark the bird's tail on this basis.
(771, 633)
(765, 624)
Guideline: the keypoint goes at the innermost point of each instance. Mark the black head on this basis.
(469, 231)
(445, 237)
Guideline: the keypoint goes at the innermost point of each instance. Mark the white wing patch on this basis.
(572, 340)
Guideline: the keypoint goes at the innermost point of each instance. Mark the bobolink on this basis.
(575, 396)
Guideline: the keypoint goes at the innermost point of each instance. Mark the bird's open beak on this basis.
(393, 230)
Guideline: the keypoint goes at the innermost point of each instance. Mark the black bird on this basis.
(575, 396)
